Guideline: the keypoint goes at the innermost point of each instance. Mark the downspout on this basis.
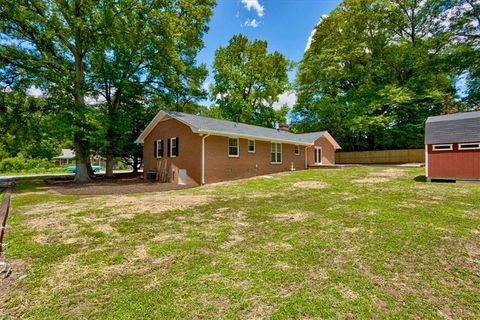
(306, 158)
(203, 158)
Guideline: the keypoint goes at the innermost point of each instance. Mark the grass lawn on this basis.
(366, 242)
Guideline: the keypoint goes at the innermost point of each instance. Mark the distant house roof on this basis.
(457, 127)
(205, 125)
(66, 154)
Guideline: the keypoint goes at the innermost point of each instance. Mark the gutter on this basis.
(252, 137)
(203, 158)
(306, 158)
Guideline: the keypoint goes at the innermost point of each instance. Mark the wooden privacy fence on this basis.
(381, 157)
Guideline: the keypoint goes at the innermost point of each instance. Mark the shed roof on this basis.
(457, 127)
(206, 125)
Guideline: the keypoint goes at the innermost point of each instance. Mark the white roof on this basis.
(66, 154)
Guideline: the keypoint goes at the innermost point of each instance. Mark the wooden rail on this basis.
(4, 209)
(381, 157)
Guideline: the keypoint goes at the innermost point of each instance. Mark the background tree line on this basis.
(375, 70)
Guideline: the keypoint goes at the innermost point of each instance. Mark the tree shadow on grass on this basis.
(420, 179)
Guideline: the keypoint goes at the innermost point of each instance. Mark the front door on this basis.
(318, 155)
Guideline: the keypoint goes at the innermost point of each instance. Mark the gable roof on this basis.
(206, 125)
(457, 127)
(66, 154)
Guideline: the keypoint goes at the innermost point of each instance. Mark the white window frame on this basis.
(449, 145)
(296, 150)
(159, 142)
(171, 147)
(238, 148)
(276, 152)
(254, 146)
(461, 146)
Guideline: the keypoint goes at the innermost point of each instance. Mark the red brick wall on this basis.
(189, 156)
(462, 164)
(328, 152)
(220, 167)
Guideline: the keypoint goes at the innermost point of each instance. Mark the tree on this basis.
(248, 81)
(131, 62)
(28, 125)
(79, 49)
(375, 71)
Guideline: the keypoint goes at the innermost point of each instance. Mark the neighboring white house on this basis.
(66, 157)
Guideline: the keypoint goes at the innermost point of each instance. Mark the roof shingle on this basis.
(458, 127)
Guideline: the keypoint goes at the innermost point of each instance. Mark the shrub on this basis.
(39, 164)
(16, 164)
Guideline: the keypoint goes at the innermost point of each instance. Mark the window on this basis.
(173, 147)
(442, 147)
(469, 146)
(233, 147)
(251, 146)
(159, 149)
(276, 153)
(297, 150)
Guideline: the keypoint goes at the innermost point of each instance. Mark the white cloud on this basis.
(312, 34)
(34, 92)
(255, 5)
(251, 23)
(289, 98)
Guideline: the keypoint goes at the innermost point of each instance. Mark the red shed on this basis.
(452, 146)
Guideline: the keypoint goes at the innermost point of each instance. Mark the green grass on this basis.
(366, 242)
(62, 169)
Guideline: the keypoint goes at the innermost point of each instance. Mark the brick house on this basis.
(190, 149)
(452, 146)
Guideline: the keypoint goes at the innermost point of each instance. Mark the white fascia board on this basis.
(252, 137)
(161, 115)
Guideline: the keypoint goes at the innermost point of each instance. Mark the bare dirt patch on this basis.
(310, 185)
(293, 216)
(19, 270)
(122, 184)
(370, 180)
(157, 202)
(346, 292)
(381, 176)
(105, 228)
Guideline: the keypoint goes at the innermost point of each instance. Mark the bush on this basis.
(12, 165)
(18, 164)
(39, 164)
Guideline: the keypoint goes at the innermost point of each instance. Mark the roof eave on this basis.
(252, 137)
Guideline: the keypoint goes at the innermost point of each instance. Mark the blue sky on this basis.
(285, 24)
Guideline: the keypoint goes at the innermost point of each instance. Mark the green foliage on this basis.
(80, 50)
(30, 126)
(376, 70)
(248, 81)
(19, 164)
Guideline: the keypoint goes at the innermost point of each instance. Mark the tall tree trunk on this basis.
(109, 167)
(83, 167)
(135, 164)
